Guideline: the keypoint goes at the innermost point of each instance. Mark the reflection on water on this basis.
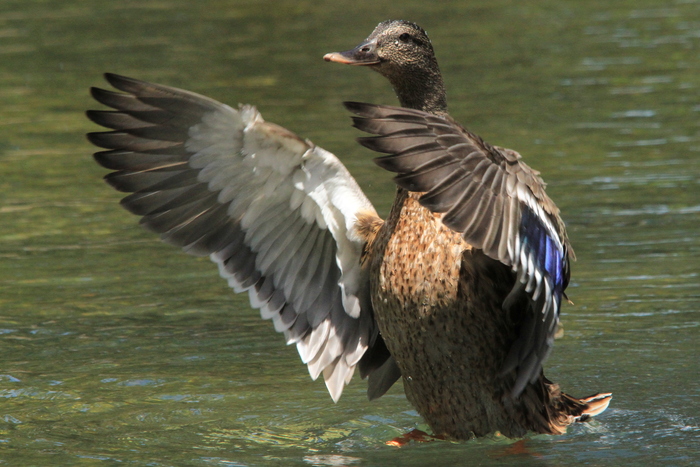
(119, 349)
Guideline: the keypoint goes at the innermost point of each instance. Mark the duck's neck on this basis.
(422, 90)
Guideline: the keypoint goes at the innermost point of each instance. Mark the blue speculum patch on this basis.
(549, 258)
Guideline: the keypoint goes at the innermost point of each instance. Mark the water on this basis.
(117, 349)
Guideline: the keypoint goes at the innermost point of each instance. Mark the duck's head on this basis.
(401, 51)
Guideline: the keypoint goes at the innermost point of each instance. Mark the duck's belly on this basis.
(439, 308)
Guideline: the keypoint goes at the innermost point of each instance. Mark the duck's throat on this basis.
(424, 91)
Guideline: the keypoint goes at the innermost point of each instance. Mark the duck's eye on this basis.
(404, 37)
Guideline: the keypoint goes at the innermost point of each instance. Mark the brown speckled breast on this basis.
(438, 305)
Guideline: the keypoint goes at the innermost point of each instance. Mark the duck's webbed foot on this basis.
(414, 435)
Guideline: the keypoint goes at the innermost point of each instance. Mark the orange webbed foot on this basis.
(413, 435)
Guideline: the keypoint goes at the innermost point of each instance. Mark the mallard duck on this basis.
(457, 292)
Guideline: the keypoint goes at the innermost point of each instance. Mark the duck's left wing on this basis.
(277, 214)
(493, 198)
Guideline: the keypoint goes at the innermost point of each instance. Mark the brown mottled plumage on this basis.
(457, 292)
(449, 311)
(438, 303)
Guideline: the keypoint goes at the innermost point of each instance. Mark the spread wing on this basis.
(275, 213)
(494, 199)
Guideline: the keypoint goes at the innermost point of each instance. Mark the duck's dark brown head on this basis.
(401, 51)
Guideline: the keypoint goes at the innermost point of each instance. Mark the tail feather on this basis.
(544, 408)
(595, 405)
(565, 409)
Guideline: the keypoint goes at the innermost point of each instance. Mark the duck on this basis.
(457, 293)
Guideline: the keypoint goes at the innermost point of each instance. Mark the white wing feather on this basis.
(290, 210)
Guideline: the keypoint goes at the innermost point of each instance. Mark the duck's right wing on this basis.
(276, 213)
(496, 201)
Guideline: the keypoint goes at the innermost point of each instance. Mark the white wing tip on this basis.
(337, 375)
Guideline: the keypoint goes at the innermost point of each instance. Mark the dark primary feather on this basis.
(494, 199)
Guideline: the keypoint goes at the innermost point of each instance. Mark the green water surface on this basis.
(118, 350)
